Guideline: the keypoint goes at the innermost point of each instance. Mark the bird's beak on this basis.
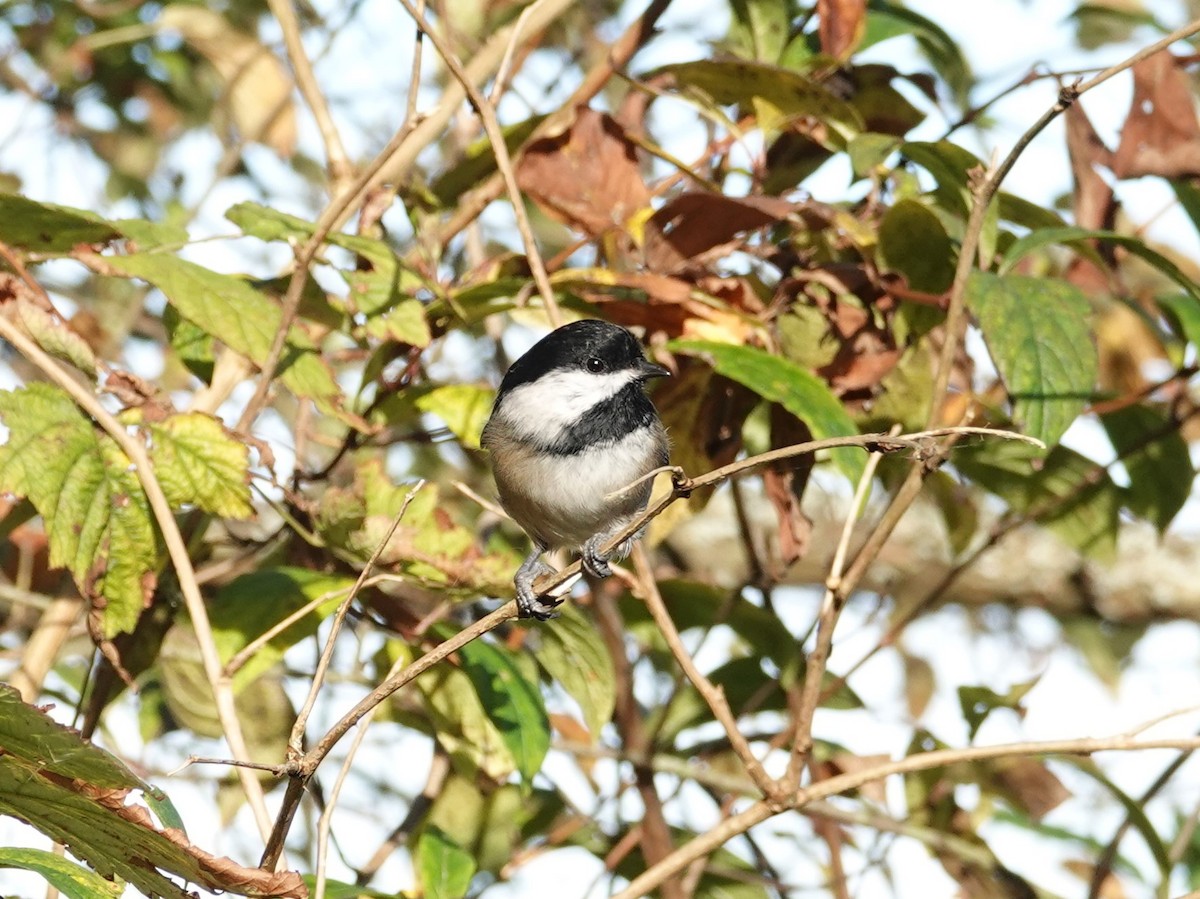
(650, 370)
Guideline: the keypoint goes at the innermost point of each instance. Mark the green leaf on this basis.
(512, 702)
(1105, 646)
(692, 604)
(887, 20)
(254, 603)
(192, 344)
(1047, 236)
(796, 389)
(239, 316)
(913, 241)
(463, 726)
(72, 880)
(950, 165)
(445, 869)
(749, 689)
(381, 287)
(81, 796)
(1156, 457)
(790, 93)
(338, 889)
(199, 463)
(1069, 493)
(870, 150)
(29, 734)
(48, 227)
(573, 653)
(1135, 812)
(463, 407)
(97, 518)
(760, 28)
(979, 702)
(1037, 332)
(1187, 191)
(1185, 310)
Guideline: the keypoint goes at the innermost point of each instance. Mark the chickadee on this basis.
(571, 429)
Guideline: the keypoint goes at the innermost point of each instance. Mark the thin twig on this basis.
(487, 115)
(326, 820)
(302, 768)
(831, 607)
(714, 696)
(306, 80)
(396, 160)
(243, 655)
(295, 742)
(651, 829)
(439, 770)
(761, 811)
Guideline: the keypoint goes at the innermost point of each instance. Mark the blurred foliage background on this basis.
(291, 273)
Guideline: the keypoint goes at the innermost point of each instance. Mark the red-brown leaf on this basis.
(693, 224)
(587, 177)
(841, 24)
(1161, 134)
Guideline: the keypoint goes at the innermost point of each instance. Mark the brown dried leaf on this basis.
(1161, 134)
(1031, 785)
(784, 484)
(919, 684)
(588, 177)
(841, 26)
(849, 763)
(694, 225)
(1094, 205)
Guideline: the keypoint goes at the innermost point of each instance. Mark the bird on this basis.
(572, 437)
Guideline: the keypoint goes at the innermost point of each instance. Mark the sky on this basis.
(1003, 39)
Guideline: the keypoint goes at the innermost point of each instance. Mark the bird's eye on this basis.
(595, 365)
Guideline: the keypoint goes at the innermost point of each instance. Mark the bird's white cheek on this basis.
(541, 410)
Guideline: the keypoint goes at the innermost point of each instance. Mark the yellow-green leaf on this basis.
(445, 868)
(239, 316)
(463, 407)
(199, 463)
(97, 518)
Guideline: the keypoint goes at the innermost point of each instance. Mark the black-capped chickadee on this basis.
(571, 430)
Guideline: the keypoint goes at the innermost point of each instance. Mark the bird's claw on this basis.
(592, 560)
(529, 603)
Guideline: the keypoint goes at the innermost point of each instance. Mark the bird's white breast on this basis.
(563, 500)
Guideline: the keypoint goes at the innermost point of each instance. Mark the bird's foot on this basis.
(594, 561)
(529, 603)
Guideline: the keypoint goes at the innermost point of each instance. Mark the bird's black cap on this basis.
(587, 345)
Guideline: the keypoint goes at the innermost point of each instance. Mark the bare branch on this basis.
(487, 115)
